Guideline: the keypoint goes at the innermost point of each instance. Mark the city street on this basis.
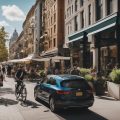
(104, 108)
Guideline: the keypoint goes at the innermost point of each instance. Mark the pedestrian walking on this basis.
(75, 71)
(3, 72)
(9, 68)
(1, 77)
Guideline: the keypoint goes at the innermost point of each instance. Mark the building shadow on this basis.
(7, 102)
(31, 104)
(79, 114)
(6, 91)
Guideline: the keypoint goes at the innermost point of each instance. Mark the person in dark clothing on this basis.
(9, 68)
(19, 76)
(75, 71)
(3, 71)
(1, 78)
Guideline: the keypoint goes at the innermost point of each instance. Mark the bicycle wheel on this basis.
(24, 94)
(17, 93)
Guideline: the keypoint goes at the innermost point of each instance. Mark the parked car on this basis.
(64, 91)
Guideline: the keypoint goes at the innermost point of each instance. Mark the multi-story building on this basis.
(38, 26)
(23, 45)
(92, 29)
(52, 30)
(28, 31)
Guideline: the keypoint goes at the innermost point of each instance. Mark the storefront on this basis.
(105, 36)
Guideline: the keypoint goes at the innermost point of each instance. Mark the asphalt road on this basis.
(104, 108)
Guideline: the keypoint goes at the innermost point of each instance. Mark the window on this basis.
(81, 3)
(76, 23)
(67, 12)
(51, 81)
(51, 31)
(49, 44)
(54, 42)
(99, 9)
(82, 19)
(54, 8)
(68, 1)
(51, 20)
(89, 14)
(75, 5)
(78, 83)
(72, 9)
(54, 28)
(68, 29)
(55, 17)
(109, 6)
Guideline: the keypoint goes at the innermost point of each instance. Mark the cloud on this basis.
(4, 23)
(13, 13)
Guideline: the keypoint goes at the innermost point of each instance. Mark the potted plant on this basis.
(84, 71)
(90, 80)
(42, 73)
(114, 84)
(99, 85)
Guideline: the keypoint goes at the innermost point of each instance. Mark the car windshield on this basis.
(79, 83)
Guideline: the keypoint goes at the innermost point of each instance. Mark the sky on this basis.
(13, 13)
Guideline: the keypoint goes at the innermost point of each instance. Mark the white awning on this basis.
(15, 61)
(60, 58)
(42, 59)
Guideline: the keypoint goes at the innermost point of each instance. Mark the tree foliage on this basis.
(3, 49)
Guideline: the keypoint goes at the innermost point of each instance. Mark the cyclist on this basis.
(19, 76)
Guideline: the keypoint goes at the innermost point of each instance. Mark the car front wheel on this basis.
(52, 104)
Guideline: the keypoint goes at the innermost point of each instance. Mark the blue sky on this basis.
(13, 13)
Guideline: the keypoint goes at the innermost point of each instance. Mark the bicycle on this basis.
(21, 91)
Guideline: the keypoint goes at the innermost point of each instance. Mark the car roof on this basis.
(65, 77)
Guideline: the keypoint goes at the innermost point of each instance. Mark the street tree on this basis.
(3, 49)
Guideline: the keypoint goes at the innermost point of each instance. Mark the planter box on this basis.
(113, 90)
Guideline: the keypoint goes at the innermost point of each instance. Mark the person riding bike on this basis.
(19, 76)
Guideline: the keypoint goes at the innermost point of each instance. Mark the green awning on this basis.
(101, 25)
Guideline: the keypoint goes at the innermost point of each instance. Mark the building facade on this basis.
(23, 45)
(52, 36)
(38, 28)
(91, 32)
(28, 33)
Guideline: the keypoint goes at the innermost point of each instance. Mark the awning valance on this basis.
(101, 25)
(60, 58)
(41, 59)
